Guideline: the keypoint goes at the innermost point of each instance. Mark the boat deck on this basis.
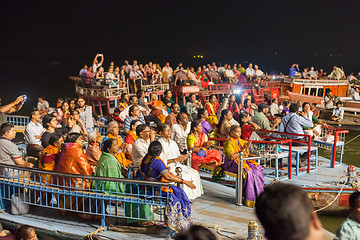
(215, 207)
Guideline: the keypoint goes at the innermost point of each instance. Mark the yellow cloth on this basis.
(212, 120)
(231, 147)
(121, 156)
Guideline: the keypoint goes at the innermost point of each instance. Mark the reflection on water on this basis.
(351, 157)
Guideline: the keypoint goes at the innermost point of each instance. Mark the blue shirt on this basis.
(294, 123)
(349, 229)
(129, 119)
(293, 71)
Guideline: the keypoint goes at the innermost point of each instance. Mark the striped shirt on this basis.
(129, 119)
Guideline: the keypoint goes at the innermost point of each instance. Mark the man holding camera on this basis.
(11, 107)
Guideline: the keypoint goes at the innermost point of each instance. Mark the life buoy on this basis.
(274, 95)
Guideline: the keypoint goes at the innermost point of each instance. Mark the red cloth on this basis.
(246, 132)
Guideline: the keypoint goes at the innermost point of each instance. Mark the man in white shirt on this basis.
(180, 132)
(258, 72)
(96, 63)
(230, 75)
(141, 145)
(33, 132)
(274, 108)
(250, 72)
(167, 72)
(43, 106)
(356, 95)
(171, 156)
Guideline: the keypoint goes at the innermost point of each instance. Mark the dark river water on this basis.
(351, 157)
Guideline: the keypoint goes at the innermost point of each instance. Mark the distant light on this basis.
(202, 56)
(198, 56)
(194, 56)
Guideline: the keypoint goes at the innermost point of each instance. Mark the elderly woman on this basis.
(93, 151)
(198, 143)
(171, 156)
(113, 129)
(252, 172)
(152, 168)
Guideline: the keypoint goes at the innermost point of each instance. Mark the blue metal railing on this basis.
(103, 130)
(17, 120)
(81, 194)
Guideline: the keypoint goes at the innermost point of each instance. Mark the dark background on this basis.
(43, 42)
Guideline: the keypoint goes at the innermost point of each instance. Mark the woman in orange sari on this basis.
(131, 138)
(197, 142)
(212, 107)
(47, 161)
(73, 160)
(158, 108)
(113, 129)
(253, 175)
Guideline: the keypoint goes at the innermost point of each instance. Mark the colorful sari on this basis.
(121, 156)
(203, 156)
(253, 184)
(130, 140)
(234, 108)
(122, 106)
(178, 210)
(157, 112)
(47, 161)
(212, 119)
(73, 160)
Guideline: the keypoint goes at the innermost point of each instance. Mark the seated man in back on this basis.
(338, 112)
(213, 76)
(349, 229)
(141, 145)
(295, 123)
(286, 213)
(33, 132)
(9, 152)
(261, 120)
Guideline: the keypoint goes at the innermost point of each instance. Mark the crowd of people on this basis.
(133, 76)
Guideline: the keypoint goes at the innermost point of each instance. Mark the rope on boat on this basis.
(352, 139)
(99, 230)
(218, 229)
(336, 197)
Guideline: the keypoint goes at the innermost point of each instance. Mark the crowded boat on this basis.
(148, 135)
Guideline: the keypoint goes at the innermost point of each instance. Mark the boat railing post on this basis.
(239, 180)
(309, 155)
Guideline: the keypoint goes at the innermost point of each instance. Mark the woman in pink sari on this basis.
(198, 143)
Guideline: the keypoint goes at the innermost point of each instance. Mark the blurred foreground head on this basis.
(286, 213)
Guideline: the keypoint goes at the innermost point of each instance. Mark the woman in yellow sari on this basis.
(212, 107)
(113, 129)
(253, 184)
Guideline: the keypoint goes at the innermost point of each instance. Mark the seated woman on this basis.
(171, 156)
(152, 168)
(234, 107)
(124, 102)
(155, 75)
(158, 108)
(316, 130)
(63, 113)
(93, 151)
(113, 129)
(212, 107)
(49, 122)
(134, 114)
(223, 128)
(252, 172)
(247, 108)
(131, 138)
(202, 116)
(73, 160)
(77, 123)
(247, 126)
(197, 142)
(203, 78)
(100, 75)
(50, 156)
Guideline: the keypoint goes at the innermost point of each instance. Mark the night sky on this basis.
(43, 42)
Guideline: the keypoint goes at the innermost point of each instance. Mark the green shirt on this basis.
(261, 120)
(348, 230)
(108, 166)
